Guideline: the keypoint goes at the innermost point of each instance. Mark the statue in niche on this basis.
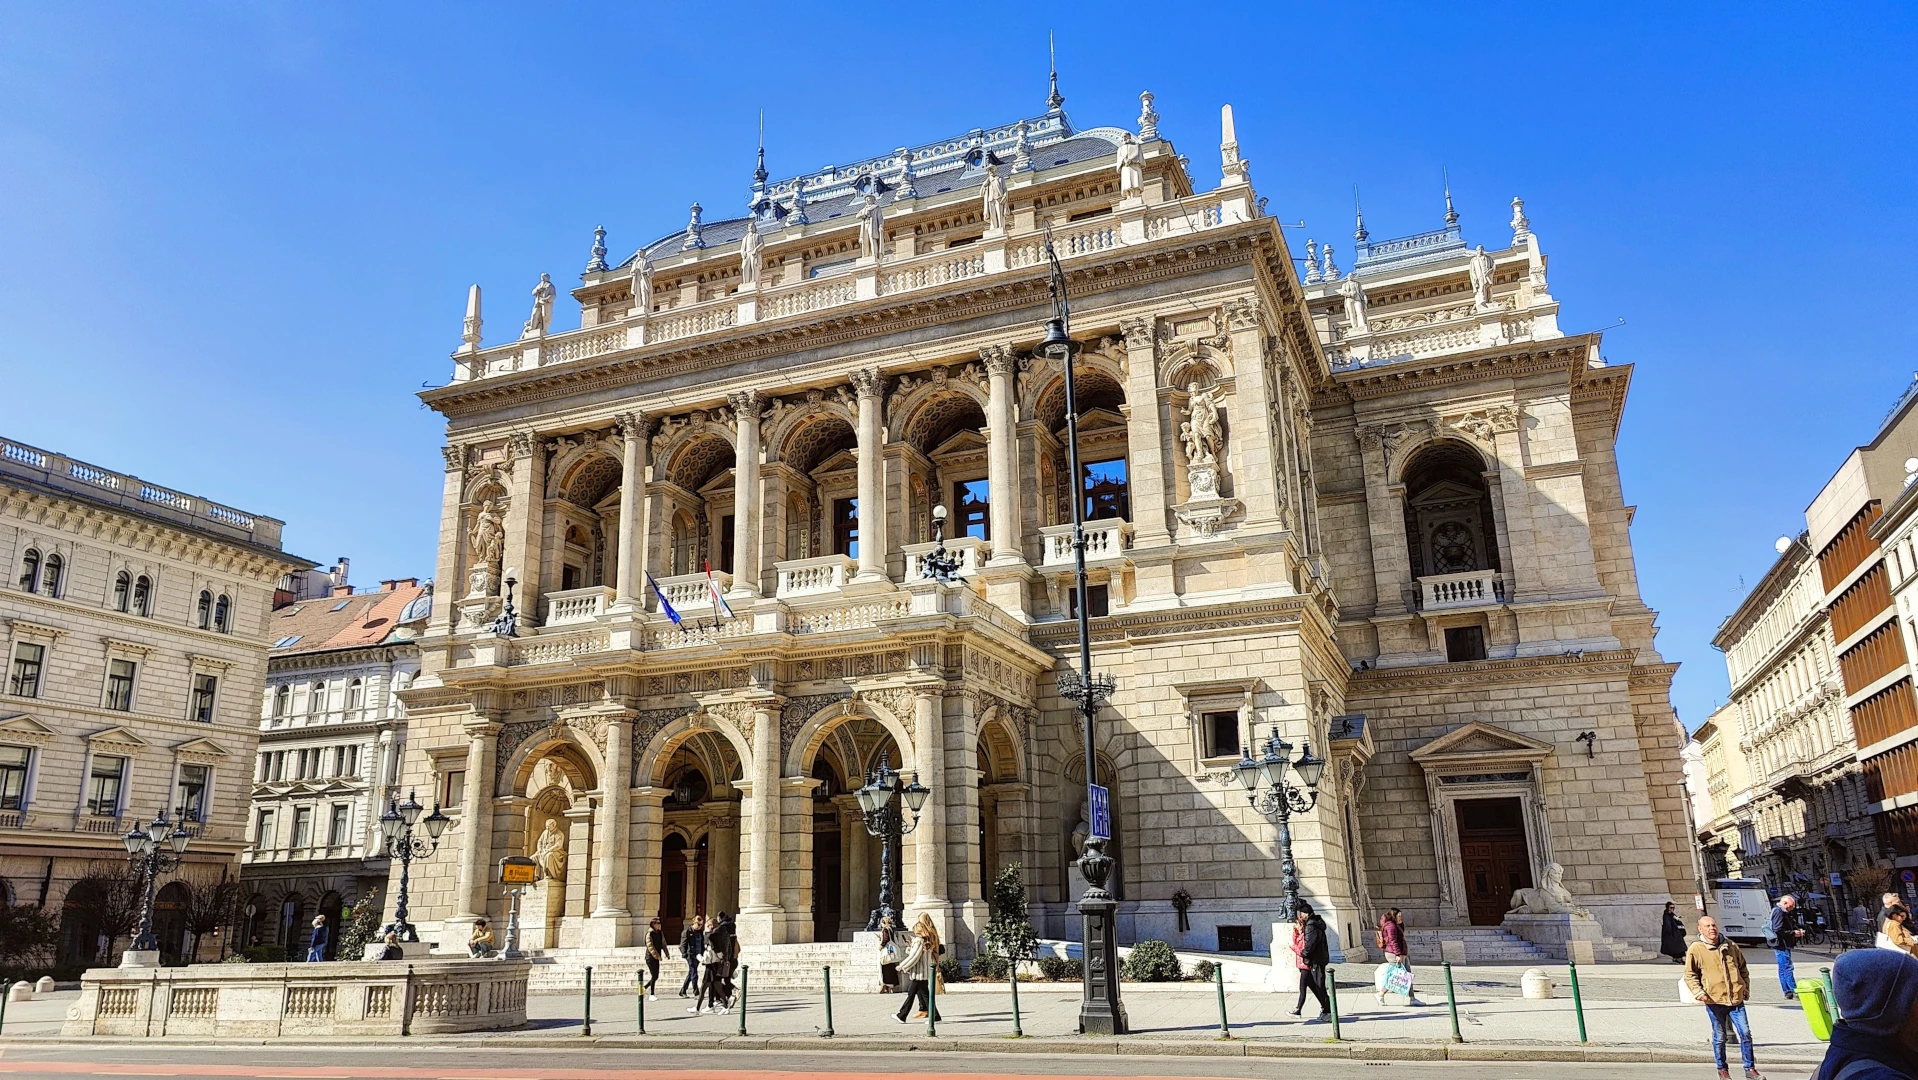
(486, 542)
(550, 851)
(872, 229)
(642, 284)
(1355, 322)
(992, 199)
(1551, 898)
(1481, 268)
(1203, 439)
(1131, 167)
(542, 316)
(749, 245)
(1082, 830)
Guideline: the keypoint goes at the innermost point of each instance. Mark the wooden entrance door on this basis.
(1493, 854)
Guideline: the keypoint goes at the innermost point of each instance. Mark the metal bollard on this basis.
(1018, 1031)
(587, 1028)
(828, 1032)
(1332, 996)
(1578, 1003)
(6, 991)
(1451, 1002)
(744, 971)
(1831, 999)
(1225, 1027)
(932, 1001)
(641, 976)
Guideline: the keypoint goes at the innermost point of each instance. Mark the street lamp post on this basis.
(939, 564)
(883, 803)
(1101, 1012)
(153, 850)
(1280, 798)
(396, 830)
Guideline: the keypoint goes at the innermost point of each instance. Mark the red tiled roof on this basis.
(362, 619)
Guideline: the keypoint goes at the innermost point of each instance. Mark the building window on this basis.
(190, 800)
(355, 694)
(122, 591)
(315, 699)
(120, 684)
(1464, 644)
(337, 828)
(13, 777)
(1220, 730)
(142, 596)
(970, 516)
(28, 659)
(204, 687)
(726, 544)
(1107, 494)
(50, 575)
(1098, 601)
(845, 527)
(263, 829)
(282, 700)
(453, 788)
(279, 765)
(302, 826)
(203, 611)
(104, 785)
(30, 571)
(351, 754)
(222, 615)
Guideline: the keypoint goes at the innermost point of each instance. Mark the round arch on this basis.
(1459, 447)
(926, 418)
(999, 747)
(559, 743)
(1046, 379)
(812, 733)
(1096, 389)
(697, 459)
(788, 420)
(658, 750)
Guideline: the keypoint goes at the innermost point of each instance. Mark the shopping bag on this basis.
(1398, 980)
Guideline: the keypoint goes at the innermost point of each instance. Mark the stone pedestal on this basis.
(1559, 936)
(140, 958)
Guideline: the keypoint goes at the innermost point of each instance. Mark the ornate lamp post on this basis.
(507, 625)
(883, 803)
(1100, 1010)
(939, 564)
(1279, 798)
(396, 829)
(153, 850)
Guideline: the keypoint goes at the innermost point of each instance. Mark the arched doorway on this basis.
(673, 911)
(288, 931)
(828, 861)
(85, 934)
(330, 907)
(845, 857)
(1001, 802)
(169, 922)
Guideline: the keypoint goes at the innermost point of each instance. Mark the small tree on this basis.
(110, 899)
(210, 907)
(362, 929)
(27, 935)
(1008, 937)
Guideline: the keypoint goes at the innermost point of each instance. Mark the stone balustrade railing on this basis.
(814, 577)
(1473, 588)
(1134, 224)
(969, 551)
(1107, 540)
(688, 591)
(578, 605)
(1438, 337)
(48, 469)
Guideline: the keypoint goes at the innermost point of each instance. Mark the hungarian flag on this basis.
(712, 586)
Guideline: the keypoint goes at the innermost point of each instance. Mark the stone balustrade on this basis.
(578, 605)
(1474, 588)
(813, 577)
(420, 997)
(688, 591)
(1107, 541)
(969, 551)
(48, 469)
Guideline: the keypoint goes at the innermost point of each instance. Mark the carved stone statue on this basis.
(1355, 322)
(992, 200)
(1201, 432)
(1131, 167)
(1481, 267)
(550, 852)
(642, 284)
(1551, 898)
(872, 229)
(749, 245)
(542, 316)
(1083, 829)
(486, 543)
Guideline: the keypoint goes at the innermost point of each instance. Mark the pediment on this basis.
(22, 726)
(1447, 491)
(1094, 419)
(967, 441)
(722, 482)
(1479, 743)
(843, 461)
(203, 747)
(117, 736)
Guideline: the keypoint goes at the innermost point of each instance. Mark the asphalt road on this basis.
(452, 1063)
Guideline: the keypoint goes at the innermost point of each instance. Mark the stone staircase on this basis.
(1472, 945)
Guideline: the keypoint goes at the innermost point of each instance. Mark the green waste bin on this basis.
(1811, 997)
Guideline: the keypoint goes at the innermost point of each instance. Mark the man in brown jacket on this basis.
(1715, 973)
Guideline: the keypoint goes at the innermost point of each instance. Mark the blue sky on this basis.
(235, 238)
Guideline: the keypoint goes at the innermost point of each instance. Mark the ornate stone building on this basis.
(1379, 512)
(135, 619)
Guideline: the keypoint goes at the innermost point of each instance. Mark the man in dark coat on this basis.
(1314, 954)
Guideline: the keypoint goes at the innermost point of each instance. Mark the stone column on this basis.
(630, 583)
(525, 525)
(1251, 411)
(476, 835)
(1145, 449)
(929, 848)
(761, 920)
(615, 816)
(870, 386)
(1385, 518)
(722, 856)
(648, 830)
(747, 504)
(1002, 457)
(854, 900)
(689, 900)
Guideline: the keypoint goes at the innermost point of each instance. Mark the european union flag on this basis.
(664, 607)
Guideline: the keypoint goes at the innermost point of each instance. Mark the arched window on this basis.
(142, 596)
(282, 699)
(222, 608)
(30, 571)
(355, 694)
(203, 611)
(315, 699)
(122, 591)
(50, 575)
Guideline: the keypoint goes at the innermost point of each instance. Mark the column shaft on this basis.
(872, 477)
(763, 888)
(747, 506)
(929, 851)
(1002, 456)
(632, 498)
(615, 817)
(476, 837)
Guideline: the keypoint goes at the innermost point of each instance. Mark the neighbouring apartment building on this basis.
(1377, 510)
(137, 620)
(331, 729)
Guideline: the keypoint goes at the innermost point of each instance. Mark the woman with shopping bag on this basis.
(1395, 975)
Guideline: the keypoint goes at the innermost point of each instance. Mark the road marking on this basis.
(255, 1072)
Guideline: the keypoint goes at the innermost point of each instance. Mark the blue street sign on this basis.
(1101, 812)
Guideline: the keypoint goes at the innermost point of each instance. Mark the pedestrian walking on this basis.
(919, 967)
(712, 971)
(316, 948)
(1896, 933)
(727, 946)
(692, 942)
(891, 949)
(1885, 903)
(390, 947)
(1395, 975)
(1716, 975)
(1877, 992)
(655, 953)
(1671, 937)
(1860, 919)
(1782, 934)
(1312, 953)
(480, 944)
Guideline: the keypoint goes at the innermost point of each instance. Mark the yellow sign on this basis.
(518, 870)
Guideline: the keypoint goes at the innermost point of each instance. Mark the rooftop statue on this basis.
(1481, 267)
(992, 198)
(642, 284)
(872, 229)
(542, 316)
(749, 245)
(1355, 322)
(1131, 167)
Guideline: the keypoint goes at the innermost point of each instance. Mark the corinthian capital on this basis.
(1137, 332)
(868, 382)
(455, 454)
(633, 426)
(999, 360)
(745, 405)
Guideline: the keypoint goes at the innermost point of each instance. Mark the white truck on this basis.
(1742, 907)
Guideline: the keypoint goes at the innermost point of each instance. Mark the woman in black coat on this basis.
(1671, 936)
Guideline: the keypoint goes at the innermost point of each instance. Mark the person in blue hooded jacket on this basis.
(1877, 992)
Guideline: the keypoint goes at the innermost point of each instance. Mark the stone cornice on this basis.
(1615, 663)
(343, 657)
(127, 531)
(1567, 354)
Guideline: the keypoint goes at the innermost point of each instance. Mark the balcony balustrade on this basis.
(970, 551)
(1107, 541)
(814, 577)
(688, 592)
(1473, 588)
(578, 605)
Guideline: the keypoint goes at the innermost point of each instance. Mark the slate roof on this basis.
(343, 622)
